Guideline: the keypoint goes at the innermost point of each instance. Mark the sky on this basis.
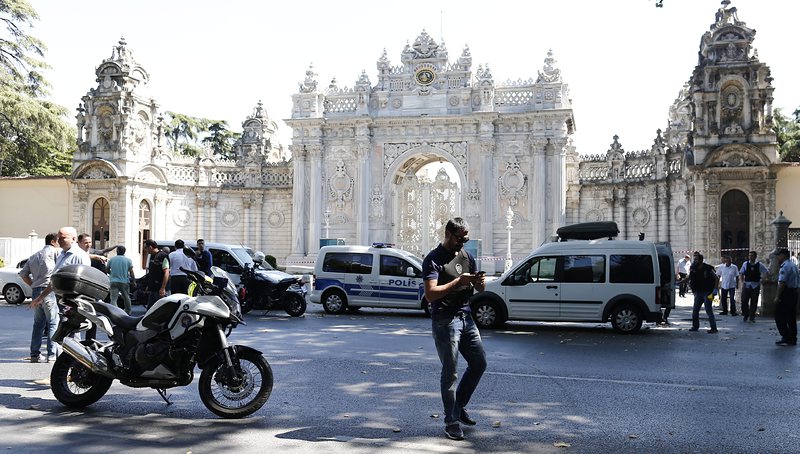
(625, 61)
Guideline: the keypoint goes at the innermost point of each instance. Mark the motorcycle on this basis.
(265, 288)
(159, 349)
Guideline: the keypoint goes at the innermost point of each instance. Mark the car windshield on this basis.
(244, 254)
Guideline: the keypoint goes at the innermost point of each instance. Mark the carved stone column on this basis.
(621, 197)
(363, 195)
(258, 215)
(316, 197)
(712, 190)
(557, 188)
(298, 202)
(538, 187)
(487, 194)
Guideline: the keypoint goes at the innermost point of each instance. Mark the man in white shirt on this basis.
(728, 281)
(36, 273)
(72, 255)
(683, 271)
(178, 259)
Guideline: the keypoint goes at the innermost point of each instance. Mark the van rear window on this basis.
(631, 269)
(347, 262)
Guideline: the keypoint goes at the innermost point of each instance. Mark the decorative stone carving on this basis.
(680, 215)
(549, 73)
(640, 217)
(276, 219)
(309, 85)
(340, 185)
(97, 173)
(182, 217)
(513, 183)
(230, 217)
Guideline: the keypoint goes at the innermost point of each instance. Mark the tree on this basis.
(35, 138)
(788, 133)
(187, 134)
(221, 139)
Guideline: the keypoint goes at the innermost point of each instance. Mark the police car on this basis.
(349, 277)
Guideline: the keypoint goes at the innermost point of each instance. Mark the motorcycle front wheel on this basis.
(243, 394)
(74, 385)
(295, 305)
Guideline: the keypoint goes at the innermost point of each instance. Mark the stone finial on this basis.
(549, 72)
(259, 111)
(383, 62)
(310, 83)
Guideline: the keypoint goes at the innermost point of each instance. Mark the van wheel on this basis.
(486, 314)
(334, 302)
(626, 319)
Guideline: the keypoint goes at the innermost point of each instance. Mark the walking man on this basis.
(752, 272)
(728, 281)
(683, 271)
(178, 282)
(36, 273)
(786, 299)
(120, 273)
(702, 281)
(450, 279)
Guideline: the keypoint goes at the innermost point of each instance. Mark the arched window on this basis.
(100, 223)
(145, 223)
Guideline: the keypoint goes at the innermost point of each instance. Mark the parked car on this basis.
(621, 281)
(230, 257)
(15, 291)
(349, 277)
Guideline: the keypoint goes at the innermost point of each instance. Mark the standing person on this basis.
(178, 282)
(120, 272)
(752, 273)
(157, 272)
(36, 273)
(204, 259)
(449, 273)
(786, 299)
(683, 271)
(794, 259)
(728, 281)
(97, 256)
(71, 254)
(702, 280)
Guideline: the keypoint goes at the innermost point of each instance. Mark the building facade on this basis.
(361, 154)
(708, 183)
(430, 139)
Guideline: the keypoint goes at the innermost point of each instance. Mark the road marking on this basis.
(610, 380)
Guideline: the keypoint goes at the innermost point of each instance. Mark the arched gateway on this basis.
(361, 153)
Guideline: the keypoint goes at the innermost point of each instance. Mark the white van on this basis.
(625, 282)
(349, 277)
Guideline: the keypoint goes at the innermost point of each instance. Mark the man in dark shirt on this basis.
(702, 280)
(157, 272)
(450, 279)
(204, 259)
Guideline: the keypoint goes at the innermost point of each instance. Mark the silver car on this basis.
(15, 291)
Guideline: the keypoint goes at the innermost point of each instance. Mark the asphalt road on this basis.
(368, 383)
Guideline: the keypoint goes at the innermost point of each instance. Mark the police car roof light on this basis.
(380, 245)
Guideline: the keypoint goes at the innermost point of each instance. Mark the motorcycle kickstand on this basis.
(163, 393)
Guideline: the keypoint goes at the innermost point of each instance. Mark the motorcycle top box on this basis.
(80, 280)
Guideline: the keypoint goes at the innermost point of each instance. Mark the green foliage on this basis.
(186, 134)
(788, 133)
(35, 139)
(271, 260)
(221, 139)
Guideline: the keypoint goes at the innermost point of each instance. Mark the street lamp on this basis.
(327, 218)
(509, 219)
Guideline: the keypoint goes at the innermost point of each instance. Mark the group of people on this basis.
(706, 280)
(165, 270)
(67, 247)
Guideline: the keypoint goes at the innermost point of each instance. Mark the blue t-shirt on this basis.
(118, 267)
(444, 266)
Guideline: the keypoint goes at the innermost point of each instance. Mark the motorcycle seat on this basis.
(118, 316)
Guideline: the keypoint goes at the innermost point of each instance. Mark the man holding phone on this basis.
(451, 277)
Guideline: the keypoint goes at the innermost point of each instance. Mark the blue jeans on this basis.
(700, 299)
(454, 333)
(45, 320)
